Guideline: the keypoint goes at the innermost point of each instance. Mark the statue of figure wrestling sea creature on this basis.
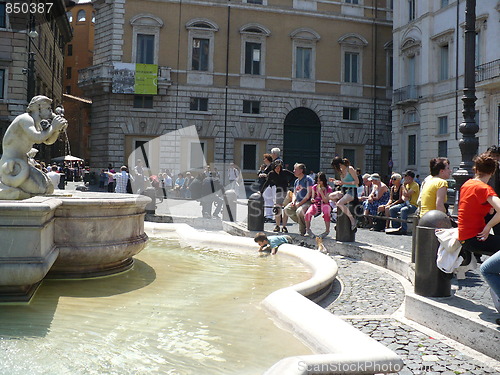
(19, 177)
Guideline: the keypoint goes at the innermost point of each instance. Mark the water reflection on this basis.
(178, 311)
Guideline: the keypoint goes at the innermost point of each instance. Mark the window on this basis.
(251, 106)
(198, 155)
(70, 16)
(252, 58)
(198, 104)
(411, 10)
(351, 2)
(443, 149)
(411, 117)
(250, 157)
(304, 42)
(349, 113)
(351, 61)
(254, 1)
(81, 16)
(444, 3)
(350, 154)
(68, 90)
(3, 15)
(68, 73)
(93, 17)
(145, 38)
(143, 101)
(412, 149)
(443, 125)
(390, 69)
(253, 54)
(201, 42)
(70, 49)
(443, 62)
(478, 59)
(145, 49)
(199, 57)
(303, 62)
(2, 83)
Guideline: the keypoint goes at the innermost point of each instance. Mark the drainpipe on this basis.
(375, 40)
(224, 159)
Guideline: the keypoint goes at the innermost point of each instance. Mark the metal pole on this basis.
(469, 143)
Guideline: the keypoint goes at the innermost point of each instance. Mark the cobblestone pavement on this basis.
(367, 297)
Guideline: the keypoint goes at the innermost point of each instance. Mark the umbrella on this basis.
(67, 158)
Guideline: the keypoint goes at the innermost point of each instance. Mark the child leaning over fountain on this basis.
(271, 243)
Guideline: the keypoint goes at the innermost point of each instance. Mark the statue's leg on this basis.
(37, 183)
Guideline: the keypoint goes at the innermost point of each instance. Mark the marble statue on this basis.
(19, 178)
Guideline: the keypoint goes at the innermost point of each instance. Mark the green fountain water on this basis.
(178, 311)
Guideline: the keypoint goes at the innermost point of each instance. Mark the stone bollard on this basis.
(151, 206)
(430, 281)
(343, 231)
(255, 212)
(230, 204)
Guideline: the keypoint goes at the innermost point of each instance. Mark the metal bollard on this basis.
(430, 281)
(230, 204)
(151, 206)
(343, 231)
(255, 212)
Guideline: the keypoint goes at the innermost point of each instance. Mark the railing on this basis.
(406, 94)
(488, 71)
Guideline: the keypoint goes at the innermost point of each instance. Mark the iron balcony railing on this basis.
(406, 94)
(488, 70)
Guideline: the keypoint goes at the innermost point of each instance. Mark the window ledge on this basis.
(352, 122)
(251, 115)
(134, 109)
(208, 113)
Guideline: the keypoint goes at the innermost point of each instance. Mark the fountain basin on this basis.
(70, 234)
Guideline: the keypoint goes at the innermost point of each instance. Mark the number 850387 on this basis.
(25, 8)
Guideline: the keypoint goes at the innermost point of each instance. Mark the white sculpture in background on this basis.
(19, 178)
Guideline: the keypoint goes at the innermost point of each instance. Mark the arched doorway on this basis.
(302, 139)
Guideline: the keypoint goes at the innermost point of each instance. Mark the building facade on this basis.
(31, 59)
(312, 78)
(429, 64)
(78, 55)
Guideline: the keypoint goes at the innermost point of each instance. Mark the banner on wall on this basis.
(139, 79)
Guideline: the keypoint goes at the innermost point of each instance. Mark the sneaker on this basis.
(276, 228)
(284, 230)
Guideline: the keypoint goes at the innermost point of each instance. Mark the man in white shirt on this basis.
(54, 176)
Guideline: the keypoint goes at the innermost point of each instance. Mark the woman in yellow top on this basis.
(434, 189)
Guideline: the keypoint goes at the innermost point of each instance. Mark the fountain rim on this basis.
(337, 342)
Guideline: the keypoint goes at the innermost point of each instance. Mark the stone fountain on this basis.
(65, 234)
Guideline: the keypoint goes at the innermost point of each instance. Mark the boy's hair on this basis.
(485, 164)
(261, 236)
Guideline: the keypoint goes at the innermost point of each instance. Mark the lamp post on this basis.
(32, 34)
(469, 143)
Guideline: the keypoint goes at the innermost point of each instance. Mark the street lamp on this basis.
(469, 143)
(32, 34)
